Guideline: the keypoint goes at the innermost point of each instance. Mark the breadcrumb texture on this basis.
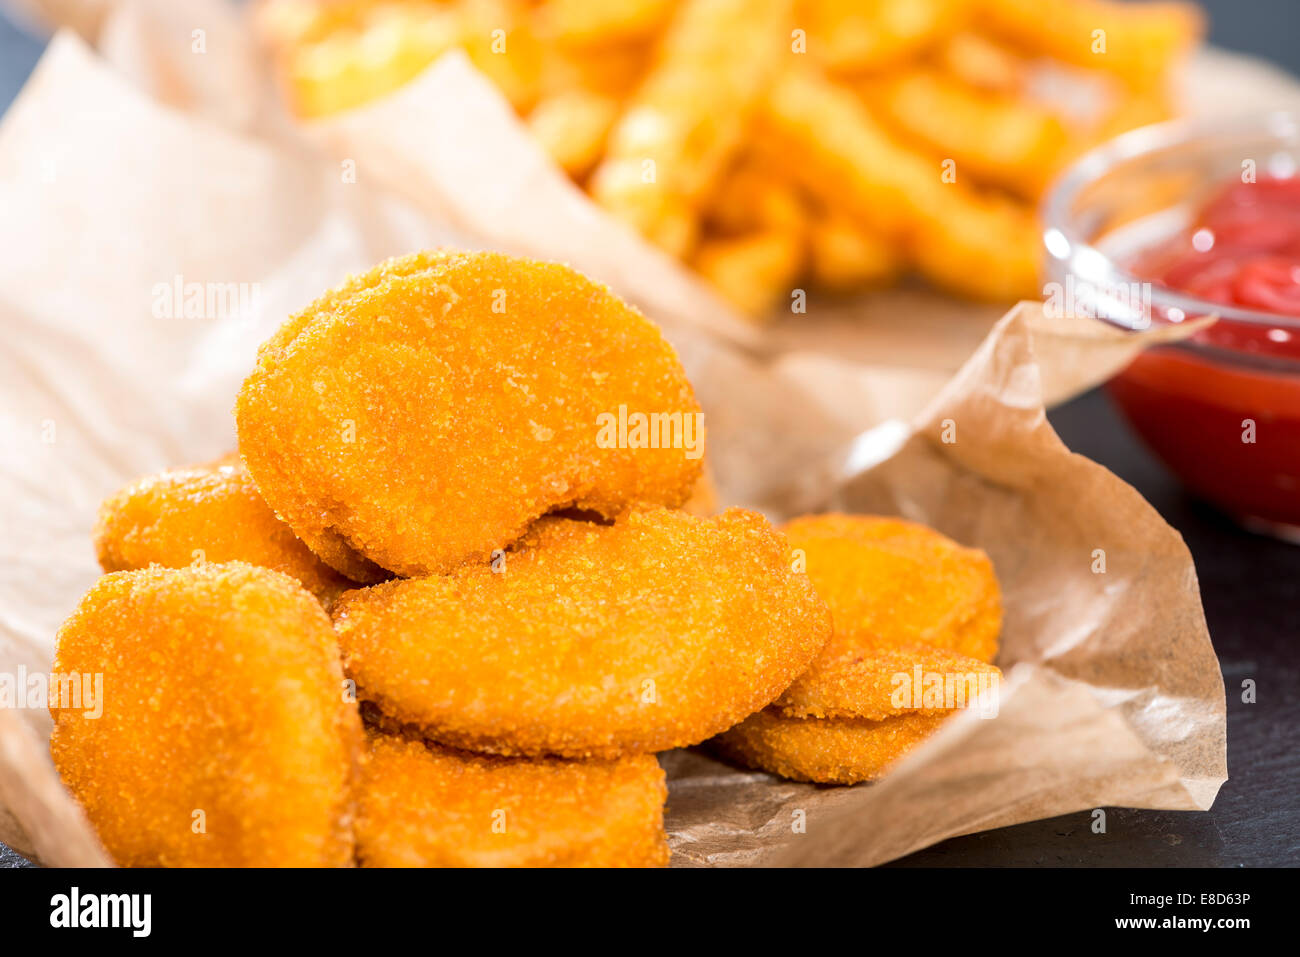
(423, 805)
(862, 684)
(902, 598)
(591, 640)
(825, 750)
(205, 513)
(427, 412)
(222, 694)
(890, 582)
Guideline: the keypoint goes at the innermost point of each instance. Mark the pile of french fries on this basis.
(773, 144)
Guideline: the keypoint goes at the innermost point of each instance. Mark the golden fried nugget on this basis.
(916, 618)
(205, 513)
(591, 640)
(226, 737)
(427, 413)
(423, 805)
(331, 547)
(854, 713)
(877, 683)
(891, 582)
(824, 750)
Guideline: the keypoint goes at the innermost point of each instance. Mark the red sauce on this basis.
(1196, 414)
(1230, 429)
(1243, 250)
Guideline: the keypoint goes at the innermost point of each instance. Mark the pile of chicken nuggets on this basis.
(432, 615)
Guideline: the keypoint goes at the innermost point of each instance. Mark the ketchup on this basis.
(1243, 250)
(1228, 421)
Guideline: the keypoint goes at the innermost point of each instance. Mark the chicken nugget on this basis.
(591, 640)
(423, 805)
(824, 750)
(219, 731)
(328, 545)
(205, 513)
(879, 683)
(916, 619)
(428, 413)
(892, 582)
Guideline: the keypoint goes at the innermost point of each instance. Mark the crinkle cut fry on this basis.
(689, 117)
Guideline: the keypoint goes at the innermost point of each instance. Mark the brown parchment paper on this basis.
(116, 180)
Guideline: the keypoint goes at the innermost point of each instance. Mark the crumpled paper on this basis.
(112, 194)
(1113, 694)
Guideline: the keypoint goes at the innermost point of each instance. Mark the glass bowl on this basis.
(1221, 408)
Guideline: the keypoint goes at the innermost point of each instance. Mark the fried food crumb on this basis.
(423, 805)
(225, 738)
(591, 640)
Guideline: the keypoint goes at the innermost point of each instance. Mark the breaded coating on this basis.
(205, 513)
(427, 413)
(591, 640)
(331, 547)
(916, 619)
(226, 737)
(824, 750)
(423, 805)
(865, 684)
(892, 582)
